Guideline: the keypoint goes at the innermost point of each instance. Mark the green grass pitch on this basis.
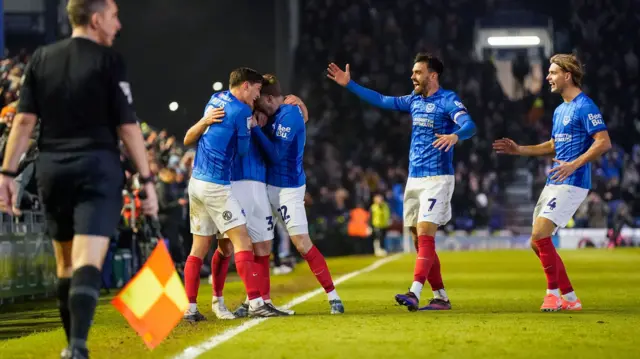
(495, 295)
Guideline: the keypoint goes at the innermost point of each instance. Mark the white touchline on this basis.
(196, 350)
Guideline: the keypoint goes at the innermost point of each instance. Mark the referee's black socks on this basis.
(63, 303)
(83, 297)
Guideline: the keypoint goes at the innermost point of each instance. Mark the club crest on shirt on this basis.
(430, 107)
(566, 120)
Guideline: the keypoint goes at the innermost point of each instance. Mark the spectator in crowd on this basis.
(380, 221)
(171, 204)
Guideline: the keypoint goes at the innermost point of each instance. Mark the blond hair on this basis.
(80, 11)
(569, 63)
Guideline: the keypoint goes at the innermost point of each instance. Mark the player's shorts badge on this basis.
(226, 215)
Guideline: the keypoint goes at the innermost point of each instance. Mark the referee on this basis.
(78, 89)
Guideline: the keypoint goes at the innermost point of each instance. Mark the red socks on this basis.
(435, 276)
(563, 279)
(318, 266)
(262, 263)
(219, 269)
(192, 277)
(426, 258)
(549, 259)
(248, 271)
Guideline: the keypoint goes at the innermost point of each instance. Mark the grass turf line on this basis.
(496, 298)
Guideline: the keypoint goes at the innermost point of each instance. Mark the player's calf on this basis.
(199, 249)
(318, 266)
(245, 263)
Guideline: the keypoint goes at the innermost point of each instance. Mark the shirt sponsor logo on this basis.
(566, 120)
(423, 122)
(596, 119)
(562, 137)
(283, 132)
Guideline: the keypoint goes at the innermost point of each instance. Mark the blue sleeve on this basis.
(285, 133)
(387, 102)
(458, 113)
(242, 122)
(592, 119)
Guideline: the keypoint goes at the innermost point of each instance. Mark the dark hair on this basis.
(433, 63)
(80, 11)
(270, 85)
(242, 74)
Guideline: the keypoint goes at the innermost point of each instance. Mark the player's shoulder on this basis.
(449, 95)
(291, 110)
(451, 99)
(586, 103)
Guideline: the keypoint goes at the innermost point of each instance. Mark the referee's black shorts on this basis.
(81, 192)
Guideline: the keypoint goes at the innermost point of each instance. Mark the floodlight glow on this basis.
(513, 40)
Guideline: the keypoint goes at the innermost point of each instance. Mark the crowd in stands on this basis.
(355, 151)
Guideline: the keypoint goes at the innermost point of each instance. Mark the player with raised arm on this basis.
(579, 136)
(213, 208)
(248, 185)
(436, 114)
(286, 181)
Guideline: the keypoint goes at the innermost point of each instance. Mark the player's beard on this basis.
(424, 87)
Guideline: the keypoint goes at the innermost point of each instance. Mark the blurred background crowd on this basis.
(356, 153)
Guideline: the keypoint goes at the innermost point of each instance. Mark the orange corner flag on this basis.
(154, 301)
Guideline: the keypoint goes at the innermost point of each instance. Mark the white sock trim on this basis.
(416, 288)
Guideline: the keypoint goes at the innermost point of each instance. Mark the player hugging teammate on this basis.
(263, 188)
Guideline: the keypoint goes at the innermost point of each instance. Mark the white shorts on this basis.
(252, 196)
(428, 199)
(213, 208)
(559, 203)
(288, 205)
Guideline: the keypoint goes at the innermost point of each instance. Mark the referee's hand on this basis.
(150, 204)
(8, 195)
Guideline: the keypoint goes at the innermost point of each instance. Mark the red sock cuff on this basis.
(543, 242)
(423, 240)
(244, 256)
(194, 259)
(311, 254)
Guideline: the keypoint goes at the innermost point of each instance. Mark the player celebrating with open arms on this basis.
(436, 114)
(579, 136)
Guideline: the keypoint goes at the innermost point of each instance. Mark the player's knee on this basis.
(302, 242)
(427, 229)
(225, 247)
(262, 249)
(239, 236)
(200, 246)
